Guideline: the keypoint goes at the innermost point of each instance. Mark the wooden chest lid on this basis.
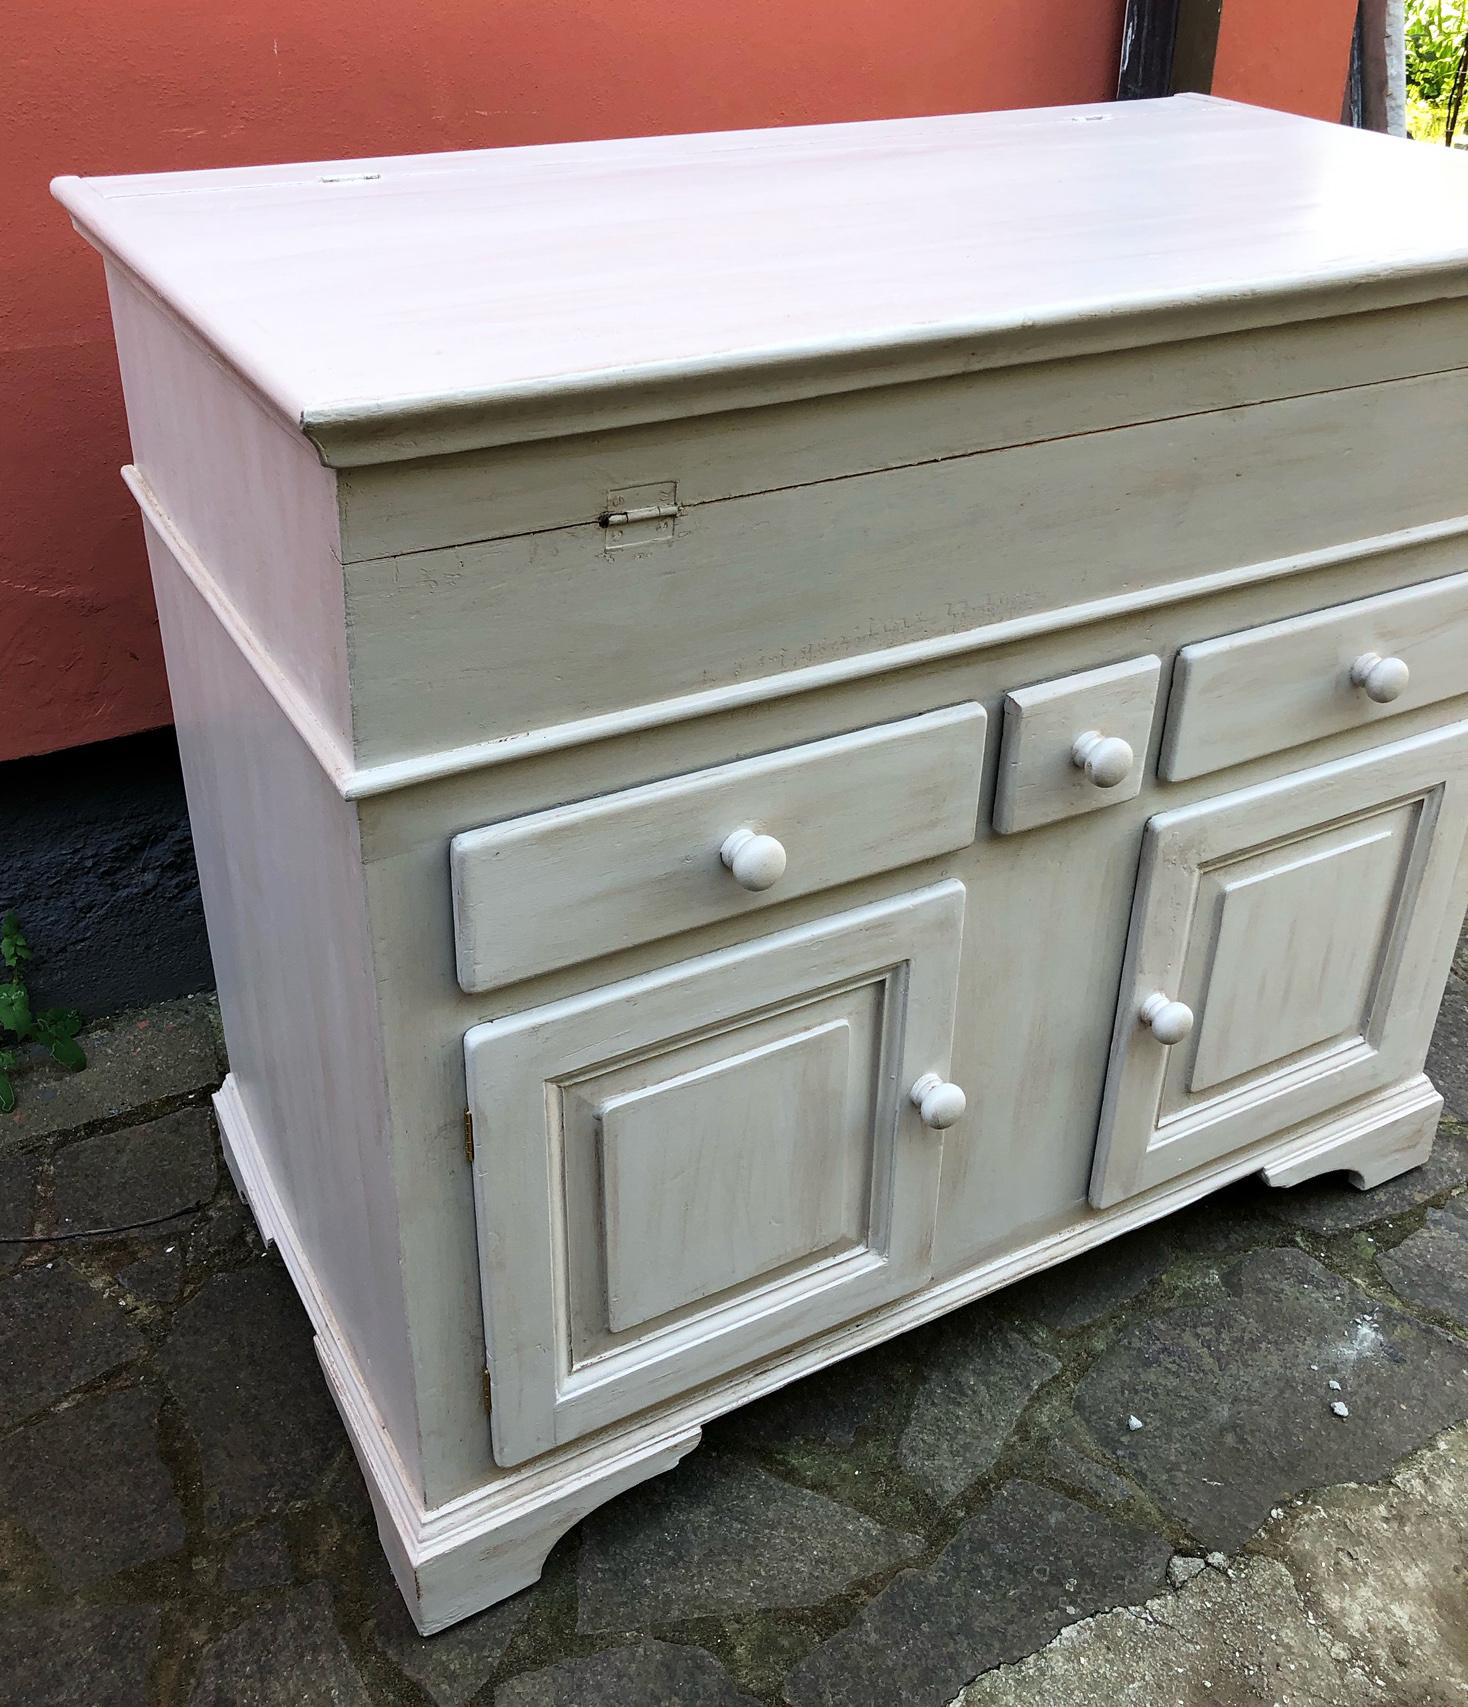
(428, 303)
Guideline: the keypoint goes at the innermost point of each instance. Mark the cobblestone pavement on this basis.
(182, 1523)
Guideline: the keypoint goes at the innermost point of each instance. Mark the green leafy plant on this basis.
(54, 1029)
(1437, 41)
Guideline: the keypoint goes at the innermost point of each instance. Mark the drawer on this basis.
(566, 885)
(1265, 689)
(702, 1165)
(1075, 745)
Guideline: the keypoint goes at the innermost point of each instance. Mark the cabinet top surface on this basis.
(431, 302)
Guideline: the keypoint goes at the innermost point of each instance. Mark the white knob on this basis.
(1170, 1021)
(1381, 679)
(939, 1103)
(756, 861)
(1106, 759)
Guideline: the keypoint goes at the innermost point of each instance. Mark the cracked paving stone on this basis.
(831, 1407)
(1333, 1205)
(145, 1174)
(17, 1196)
(644, 1674)
(977, 1377)
(1240, 1641)
(289, 1655)
(258, 1559)
(56, 1333)
(452, 1667)
(1076, 1470)
(1026, 1564)
(1303, 1618)
(156, 1277)
(1234, 1398)
(1430, 1269)
(89, 1486)
(164, 1051)
(1081, 1290)
(1447, 1055)
(78, 1656)
(239, 1361)
(718, 1536)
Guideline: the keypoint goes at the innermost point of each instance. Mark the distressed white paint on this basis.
(556, 887)
(1057, 733)
(1287, 682)
(654, 1055)
(1096, 227)
(1302, 922)
(715, 1149)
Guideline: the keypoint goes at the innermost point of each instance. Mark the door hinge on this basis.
(469, 1134)
(640, 515)
(485, 1387)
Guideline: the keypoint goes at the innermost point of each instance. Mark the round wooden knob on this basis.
(1381, 679)
(939, 1103)
(756, 861)
(1106, 759)
(1170, 1021)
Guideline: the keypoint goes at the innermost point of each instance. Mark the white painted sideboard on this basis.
(785, 727)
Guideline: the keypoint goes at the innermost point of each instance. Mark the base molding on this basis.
(1371, 1143)
(456, 1559)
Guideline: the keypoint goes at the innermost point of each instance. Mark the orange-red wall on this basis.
(1293, 57)
(145, 85)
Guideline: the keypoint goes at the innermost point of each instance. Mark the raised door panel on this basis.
(1287, 950)
(697, 1167)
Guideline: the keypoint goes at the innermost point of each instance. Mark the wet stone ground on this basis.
(183, 1525)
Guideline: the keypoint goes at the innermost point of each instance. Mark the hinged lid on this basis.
(400, 307)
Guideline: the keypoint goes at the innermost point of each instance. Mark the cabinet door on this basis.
(684, 1172)
(1287, 952)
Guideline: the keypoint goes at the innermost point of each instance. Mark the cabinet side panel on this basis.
(279, 866)
(251, 498)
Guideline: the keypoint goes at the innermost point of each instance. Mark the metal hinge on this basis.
(488, 1403)
(640, 515)
(469, 1134)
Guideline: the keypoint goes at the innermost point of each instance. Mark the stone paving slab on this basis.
(148, 1174)
(239, 1363)
(88, 1483)
(1358, 1600)
(1430, 1269)
(1235, 1395)
(183, 1525)
(57, 1332)
(133, 1063)
(723, 1537)
(1447, 1059)
(1026, 1564)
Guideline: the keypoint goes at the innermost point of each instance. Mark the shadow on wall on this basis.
(98, 864)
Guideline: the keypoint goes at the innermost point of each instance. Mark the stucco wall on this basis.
(102, 86)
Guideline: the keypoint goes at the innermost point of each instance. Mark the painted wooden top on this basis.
(433, 302)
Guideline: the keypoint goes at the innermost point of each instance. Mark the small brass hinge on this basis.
(488, 1403)
(469, 1134)
(638, 516)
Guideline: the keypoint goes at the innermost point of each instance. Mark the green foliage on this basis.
(54, 1029)
(1435, 35)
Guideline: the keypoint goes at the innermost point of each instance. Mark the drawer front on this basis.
(578, 881)
(700, 1166)
(1075, 745)
(1287, 950)
(1244, 695)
